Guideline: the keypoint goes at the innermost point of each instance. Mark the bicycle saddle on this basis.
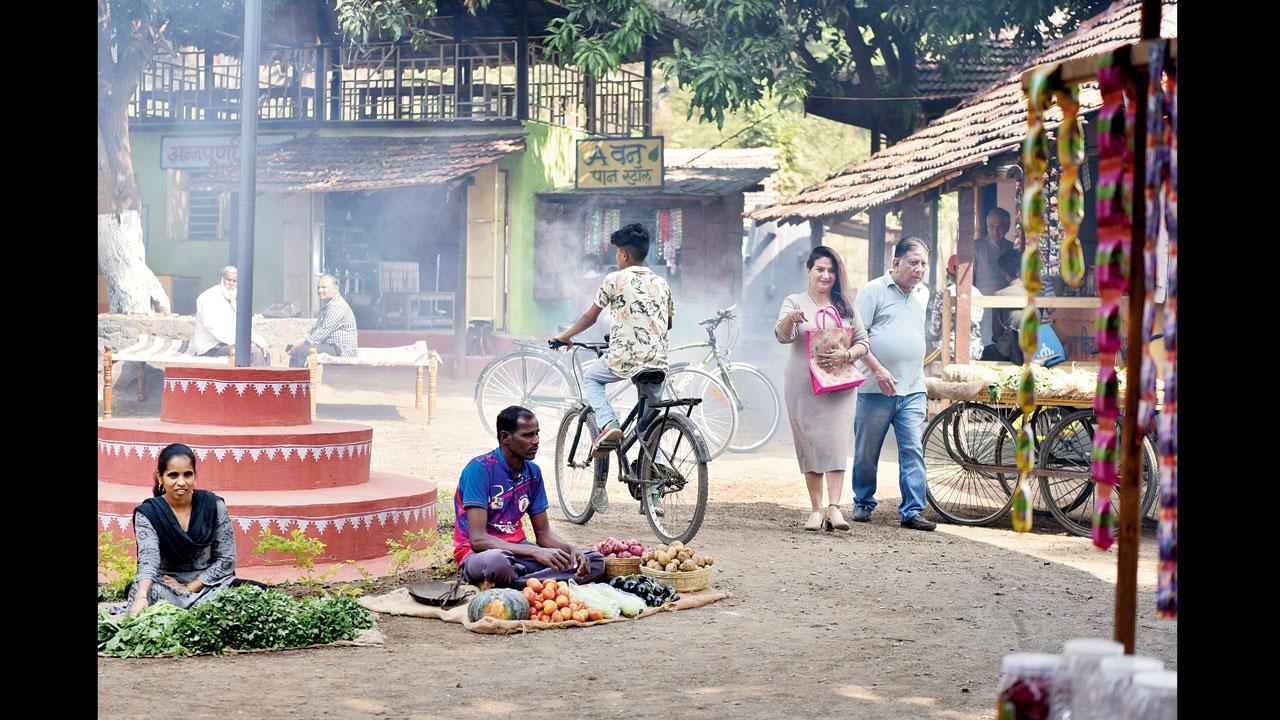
(649, 377)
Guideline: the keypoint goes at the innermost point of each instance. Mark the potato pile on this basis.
(675, 558)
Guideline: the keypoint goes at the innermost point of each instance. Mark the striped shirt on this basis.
(335, 324)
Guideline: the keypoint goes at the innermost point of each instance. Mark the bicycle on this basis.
(754, 396)
(658, 478)
(537, 378)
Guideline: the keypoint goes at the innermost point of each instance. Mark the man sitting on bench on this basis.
(215, 333)
(335, 330)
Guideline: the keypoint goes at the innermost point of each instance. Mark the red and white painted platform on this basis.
(272, 470)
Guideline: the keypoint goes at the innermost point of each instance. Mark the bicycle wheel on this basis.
(716, 417)
(673, 473)
(576, 476)
(1067, 452)
(1042, 421)
(759, 408)
(961, 437)
(525, 377)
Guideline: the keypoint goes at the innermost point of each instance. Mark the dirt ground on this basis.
(878, 622)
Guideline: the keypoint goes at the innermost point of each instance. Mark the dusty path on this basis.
(879, 622)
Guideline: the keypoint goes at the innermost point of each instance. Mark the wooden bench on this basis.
(417, 355)
(152, 350)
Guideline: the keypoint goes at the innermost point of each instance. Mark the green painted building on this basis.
(412, 174)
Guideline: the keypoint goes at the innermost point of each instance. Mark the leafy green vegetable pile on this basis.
(243, 618)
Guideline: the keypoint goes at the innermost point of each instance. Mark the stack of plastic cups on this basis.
(1028, 690)
(1081, 658)
(1152, 696)
(1105, 690)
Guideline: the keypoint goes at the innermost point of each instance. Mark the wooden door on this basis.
(485, 248)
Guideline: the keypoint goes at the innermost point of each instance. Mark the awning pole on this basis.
(248, 166)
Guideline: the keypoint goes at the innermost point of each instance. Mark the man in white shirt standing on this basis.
(216, 321)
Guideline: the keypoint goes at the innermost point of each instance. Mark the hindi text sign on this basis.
(619, 164)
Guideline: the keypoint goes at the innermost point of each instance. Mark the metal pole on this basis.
(248, 168)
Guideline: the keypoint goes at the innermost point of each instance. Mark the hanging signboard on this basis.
(200, 152)
(619, 164)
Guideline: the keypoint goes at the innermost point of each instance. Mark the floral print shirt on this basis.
(641, 308)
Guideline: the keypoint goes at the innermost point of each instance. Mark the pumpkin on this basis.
(498, 603)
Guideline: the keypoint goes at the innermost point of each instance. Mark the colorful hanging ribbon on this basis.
(1035, 165)
(1114, 211)
(1167, 531)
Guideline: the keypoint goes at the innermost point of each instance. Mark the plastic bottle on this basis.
(1152, 696)
(1028, 688)
(1081, 657)
(1105, 691)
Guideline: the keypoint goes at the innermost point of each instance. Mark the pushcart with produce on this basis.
(969, 446)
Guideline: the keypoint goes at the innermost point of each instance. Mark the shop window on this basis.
(203, 215)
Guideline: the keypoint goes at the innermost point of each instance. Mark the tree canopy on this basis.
(750, 50)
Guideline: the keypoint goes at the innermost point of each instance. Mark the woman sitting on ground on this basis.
(186, 550)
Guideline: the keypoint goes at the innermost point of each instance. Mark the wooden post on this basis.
(522, 62)
(142, 381)
(970, 202)
(314, 365)
(433, 368)
(106, 382)
(945, 340)
(417, 391)
(231, 356)
(1130, 520)
(816, 232)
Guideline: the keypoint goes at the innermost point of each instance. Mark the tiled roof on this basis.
(761, 157)
(343, 164)
(989, 124)
(970, 76)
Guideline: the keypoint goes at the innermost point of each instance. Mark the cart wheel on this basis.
(1042, 421)
(960, 437)
(1067, 452)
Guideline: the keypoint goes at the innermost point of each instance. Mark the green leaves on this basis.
(244, 617)
(116, 562)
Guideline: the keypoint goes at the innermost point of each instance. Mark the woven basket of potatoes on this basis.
(679, 565)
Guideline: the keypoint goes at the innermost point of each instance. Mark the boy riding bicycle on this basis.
(641, 310)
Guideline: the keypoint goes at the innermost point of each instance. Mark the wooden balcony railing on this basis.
(474, 80)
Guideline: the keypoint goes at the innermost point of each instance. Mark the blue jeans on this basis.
(596, 377)
(907, 415)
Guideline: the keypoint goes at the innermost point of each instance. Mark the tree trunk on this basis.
(131, 286)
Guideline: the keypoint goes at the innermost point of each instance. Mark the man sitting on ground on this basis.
(495, 492)
(335, 329)
(215, 333)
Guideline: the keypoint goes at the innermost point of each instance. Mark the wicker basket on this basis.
(683, 581)
(618, 567)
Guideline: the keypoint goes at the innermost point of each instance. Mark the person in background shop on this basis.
(815, 419)
(986, 266)
(975, 316)
(894, 307)
(1004, 334)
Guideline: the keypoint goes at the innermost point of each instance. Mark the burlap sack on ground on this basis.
(399, 602)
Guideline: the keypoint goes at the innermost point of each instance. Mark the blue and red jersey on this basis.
(489, 482)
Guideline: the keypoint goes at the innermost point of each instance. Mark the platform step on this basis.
(354, 522)
(253, 397)
(318, 455)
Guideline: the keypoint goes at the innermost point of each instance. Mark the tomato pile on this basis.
(551, 602)
(614, 548)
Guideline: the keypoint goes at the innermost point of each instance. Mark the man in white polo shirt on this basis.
(893, 307)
